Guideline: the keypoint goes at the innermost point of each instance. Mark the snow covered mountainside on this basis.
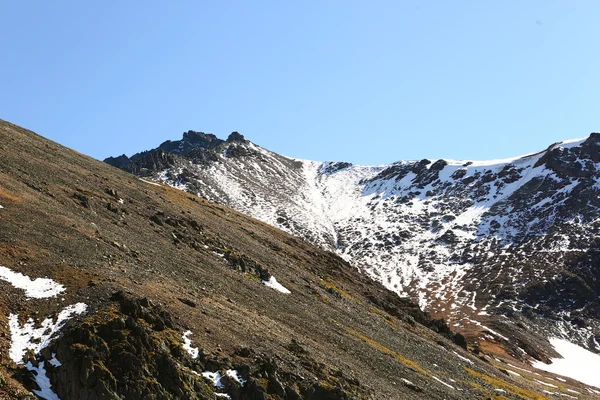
(506, 250)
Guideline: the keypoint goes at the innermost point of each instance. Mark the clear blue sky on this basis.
(364, 81)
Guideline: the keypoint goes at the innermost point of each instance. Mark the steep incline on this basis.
(114, 287)
(471, 241)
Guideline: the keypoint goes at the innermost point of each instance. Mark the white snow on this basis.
(490, 163)
(521, 369)
(443, 383)
(1, 207)
(39, 288)
(546, 383)
(273, 284)
(42, 380)
(236, 376)
(32, 336)
(493, 332)
(54, 361)
(567, 395)
(567, 144)
(150, 183)
(215, 377)
(36, 336)
(187, 345)
(577, 362)
(463, 358)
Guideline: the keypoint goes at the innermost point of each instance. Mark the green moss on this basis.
(331, 288)
(500, 384)
(407, 362)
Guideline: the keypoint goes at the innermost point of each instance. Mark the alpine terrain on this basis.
(117, 287)
(507, 251)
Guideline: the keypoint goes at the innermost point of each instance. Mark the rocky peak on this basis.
(191, 140)
(590, 148)
(201, 139)
(121, 161)
(236, 137)
(198, 147)
(572, 159)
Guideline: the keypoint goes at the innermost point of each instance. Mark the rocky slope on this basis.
(504, 246)
(115, 287)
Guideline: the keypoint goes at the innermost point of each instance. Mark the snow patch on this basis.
(273, 284)
(576, 362)
(521, 369)
(54, 361)
(463, 358)
(236, 376)
(150, 183)
(493, 332)
(187, 345)
(36, 336)
(42, 380)
(39, 288)
(28, 337)
(546, 384)
(215, 377)
(443, 383)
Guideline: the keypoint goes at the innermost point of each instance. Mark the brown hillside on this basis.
(152, 262)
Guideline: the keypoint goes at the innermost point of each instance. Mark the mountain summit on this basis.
(505, 250)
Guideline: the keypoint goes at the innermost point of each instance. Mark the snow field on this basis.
(576, 362)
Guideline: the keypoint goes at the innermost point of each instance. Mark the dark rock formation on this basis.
(129, 349)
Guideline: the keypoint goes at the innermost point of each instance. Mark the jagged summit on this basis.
(199, 146)
(236, 137)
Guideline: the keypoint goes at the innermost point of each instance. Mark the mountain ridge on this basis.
(471, 241)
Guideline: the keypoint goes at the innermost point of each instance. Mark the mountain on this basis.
(507, 251)
(118, 287)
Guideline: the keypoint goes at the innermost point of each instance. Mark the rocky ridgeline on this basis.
(470, 241)
(201, 147)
